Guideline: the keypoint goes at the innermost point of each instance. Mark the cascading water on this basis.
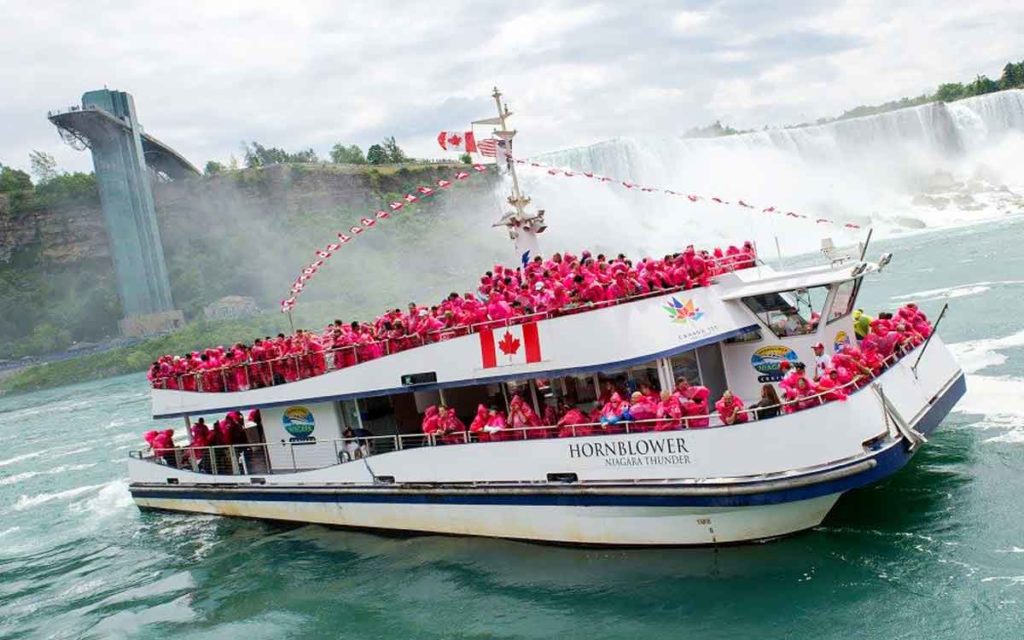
(931, 166)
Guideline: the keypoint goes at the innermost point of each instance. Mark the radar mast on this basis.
(523, 226)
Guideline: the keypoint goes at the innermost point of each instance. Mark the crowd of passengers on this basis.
(230, 430)
(879, 342)
(563, 283)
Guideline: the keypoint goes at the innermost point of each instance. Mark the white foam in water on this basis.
(976, 355)
(18, 477)
(956, 291)
(113, 497)
(27, 456)
(67, 468)
(28, 502)
(998, 398)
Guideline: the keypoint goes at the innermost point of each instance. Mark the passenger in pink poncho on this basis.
(669, 413)
(643, 411)
(449, 426)
(430, 420)
(612, 411)
(570, 424)
(476, 427)
(497, 426)
(830, 385)
(730, 409)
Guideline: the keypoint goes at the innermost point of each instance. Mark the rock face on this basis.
(62, 236)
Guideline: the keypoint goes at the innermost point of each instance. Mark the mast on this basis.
(523, 226)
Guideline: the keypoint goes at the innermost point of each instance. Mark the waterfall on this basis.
(924, 167)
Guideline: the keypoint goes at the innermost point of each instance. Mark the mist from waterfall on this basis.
(932, 166)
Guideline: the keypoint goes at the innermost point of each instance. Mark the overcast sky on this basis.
(208, 74)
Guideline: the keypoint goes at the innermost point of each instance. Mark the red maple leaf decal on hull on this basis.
(509, 345)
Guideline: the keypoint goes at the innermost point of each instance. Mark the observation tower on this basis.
(126, 160)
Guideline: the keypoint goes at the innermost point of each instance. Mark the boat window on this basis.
(629, 379)
(684, 365)
(789, 313)
(747, 336)
(846, 295)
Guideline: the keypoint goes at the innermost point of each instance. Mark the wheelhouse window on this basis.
(789, 313)
(846, 296)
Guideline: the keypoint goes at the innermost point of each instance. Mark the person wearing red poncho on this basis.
(730, 409)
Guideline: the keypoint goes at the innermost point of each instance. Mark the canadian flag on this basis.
(455, 141)
(504, 346)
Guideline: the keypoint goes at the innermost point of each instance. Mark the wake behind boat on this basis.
(587, 384)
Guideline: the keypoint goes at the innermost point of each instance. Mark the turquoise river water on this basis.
(937, 551)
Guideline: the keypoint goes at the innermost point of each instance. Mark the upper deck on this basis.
(640, 330)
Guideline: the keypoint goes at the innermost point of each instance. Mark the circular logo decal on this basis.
(298, 422)
(768, 362)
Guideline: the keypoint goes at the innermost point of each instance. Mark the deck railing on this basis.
(250, 459)
(290, 368)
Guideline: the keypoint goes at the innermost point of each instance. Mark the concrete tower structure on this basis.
(126, 160)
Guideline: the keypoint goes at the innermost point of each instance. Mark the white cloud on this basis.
(688, 21)
(207, 75)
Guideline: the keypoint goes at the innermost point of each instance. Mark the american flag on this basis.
(488, 147)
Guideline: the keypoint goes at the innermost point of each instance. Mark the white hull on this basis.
(676, 526)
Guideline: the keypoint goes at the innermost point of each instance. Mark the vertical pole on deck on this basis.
(533, 393)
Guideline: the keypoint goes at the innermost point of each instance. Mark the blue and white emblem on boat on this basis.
(683, 312)
(768, 362)
(299, 423)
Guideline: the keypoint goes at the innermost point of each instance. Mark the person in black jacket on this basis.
(769, 405)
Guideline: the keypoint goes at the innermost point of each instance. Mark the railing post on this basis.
(292, 447)
(928, 340)
(213, 461)
(234, 460)
(337, 454)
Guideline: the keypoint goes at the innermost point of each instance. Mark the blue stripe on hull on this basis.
(888, 461)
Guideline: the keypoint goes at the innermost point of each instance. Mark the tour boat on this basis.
(622, 484)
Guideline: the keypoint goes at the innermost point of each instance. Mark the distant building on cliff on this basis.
(126, 159)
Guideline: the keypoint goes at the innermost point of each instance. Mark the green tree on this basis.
(306, 155)
(394, 152)
(12, 180)
(950, 91)
(376, 155)
(69, 187)
(466, 158)
(256, 155)
(213, 168)
(44, 167)
(352, 154)
(1013, 76)
(981, 85)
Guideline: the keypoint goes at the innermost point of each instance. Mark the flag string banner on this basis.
(365, 224)
(556, 171)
